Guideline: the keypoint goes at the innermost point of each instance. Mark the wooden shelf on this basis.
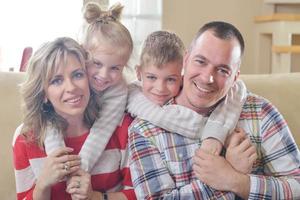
(286, 49)
(277, 17)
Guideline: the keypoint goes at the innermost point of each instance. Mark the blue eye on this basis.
(79, 74)
(56, 81)
(152, 78)
(224, 71)
(97, 64)
(172, 80)
(115, 68)
(201, 62)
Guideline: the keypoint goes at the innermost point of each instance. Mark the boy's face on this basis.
(106, 68)
(160, 84)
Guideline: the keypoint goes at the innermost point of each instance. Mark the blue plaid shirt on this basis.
(161, 162)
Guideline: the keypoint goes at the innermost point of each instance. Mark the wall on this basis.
(186, 17)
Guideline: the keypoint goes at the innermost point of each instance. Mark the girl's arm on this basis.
(112, 107)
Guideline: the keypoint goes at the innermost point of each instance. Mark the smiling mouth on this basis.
(73, 100)
(100, 83)
(160, 99)
(201, 89)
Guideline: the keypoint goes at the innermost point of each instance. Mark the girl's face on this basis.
(68, 89)
(106, 68)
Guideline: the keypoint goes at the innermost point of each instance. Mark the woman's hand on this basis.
(79, 186)
(57, 166)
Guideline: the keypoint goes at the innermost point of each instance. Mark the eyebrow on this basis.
(218, 65)
(200, 56)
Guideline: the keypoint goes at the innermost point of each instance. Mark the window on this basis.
(31, 23)
(141, 17)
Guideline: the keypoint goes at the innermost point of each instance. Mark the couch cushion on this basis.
(10, 118)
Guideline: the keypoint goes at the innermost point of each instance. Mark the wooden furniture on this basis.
(280, 27)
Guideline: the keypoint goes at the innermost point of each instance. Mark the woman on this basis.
(56, 94)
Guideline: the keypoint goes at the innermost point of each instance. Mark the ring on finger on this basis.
(78, 184)
(66, 167)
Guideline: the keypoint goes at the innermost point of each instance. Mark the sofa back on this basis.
(10, 118)
(280, 89)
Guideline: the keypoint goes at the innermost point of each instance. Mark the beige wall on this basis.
(186, 17)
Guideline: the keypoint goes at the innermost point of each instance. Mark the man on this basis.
(161, 162)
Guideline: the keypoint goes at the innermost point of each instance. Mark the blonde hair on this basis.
(41, 68)
(103, 28)
(161, 47)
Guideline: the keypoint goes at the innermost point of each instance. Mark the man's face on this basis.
(211, 68)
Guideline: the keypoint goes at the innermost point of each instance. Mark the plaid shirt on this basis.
(161, 162)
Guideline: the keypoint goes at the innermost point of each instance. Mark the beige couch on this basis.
(282, 90)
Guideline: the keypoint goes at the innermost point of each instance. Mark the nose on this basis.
(104, 73)
(160, 86)
(208, 75)
(69, 85)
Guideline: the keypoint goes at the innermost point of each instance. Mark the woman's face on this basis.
(68, 89)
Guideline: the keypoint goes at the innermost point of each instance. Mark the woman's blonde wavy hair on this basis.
(41, 67)
(103, 28)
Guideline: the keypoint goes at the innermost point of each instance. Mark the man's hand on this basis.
(217, 173)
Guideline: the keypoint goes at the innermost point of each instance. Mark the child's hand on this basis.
(241, 153)
(212, 146)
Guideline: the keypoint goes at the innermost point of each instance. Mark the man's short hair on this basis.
(222, 30)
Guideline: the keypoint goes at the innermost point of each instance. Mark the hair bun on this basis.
(115, 11)
(92, 12)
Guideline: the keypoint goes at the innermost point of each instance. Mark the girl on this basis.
(110, 45)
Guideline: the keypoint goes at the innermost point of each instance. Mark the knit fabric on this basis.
(110, 173)
(184, 121)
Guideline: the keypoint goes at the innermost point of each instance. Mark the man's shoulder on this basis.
(145, 128)
(256, 106)
(255, 100)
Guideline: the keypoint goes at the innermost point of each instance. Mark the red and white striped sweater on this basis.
(111, 172)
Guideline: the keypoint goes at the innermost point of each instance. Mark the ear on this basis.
(138, 72)
(237, 75)
(185, 60)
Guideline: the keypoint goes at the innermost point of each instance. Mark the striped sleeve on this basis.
(225, 117)
(113, 104)
(24, 176)
(128, 190)
(280, 159)
(151, 178)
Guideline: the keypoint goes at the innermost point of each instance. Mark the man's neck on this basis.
(204, 111)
